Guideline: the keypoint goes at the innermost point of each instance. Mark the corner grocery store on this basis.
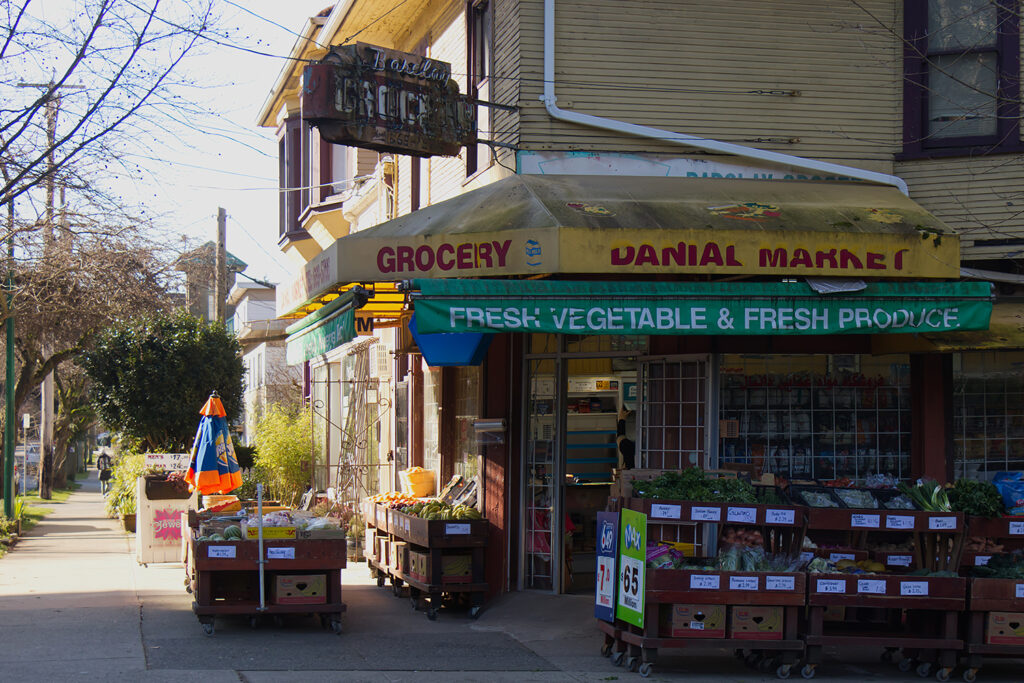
(890, 386)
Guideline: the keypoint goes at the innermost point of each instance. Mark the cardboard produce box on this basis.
(400, 556)
(457, 568)
(370, 543)
(275, 533)
(755, 622)
(1005, 628)
(419, 565)
(697, 621)
(299, 589)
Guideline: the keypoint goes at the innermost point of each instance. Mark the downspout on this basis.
(549, 100)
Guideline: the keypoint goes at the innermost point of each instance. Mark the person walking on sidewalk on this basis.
(103, 465)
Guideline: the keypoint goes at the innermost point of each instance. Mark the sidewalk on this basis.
(74, 605)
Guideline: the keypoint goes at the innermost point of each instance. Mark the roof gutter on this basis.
(705, 144)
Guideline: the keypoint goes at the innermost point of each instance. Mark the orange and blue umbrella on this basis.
(213, 467)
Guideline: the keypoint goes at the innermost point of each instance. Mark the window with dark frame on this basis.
(311, 170)
(479, 51)
(961, 77)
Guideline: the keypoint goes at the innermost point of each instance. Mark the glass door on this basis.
(542, 547)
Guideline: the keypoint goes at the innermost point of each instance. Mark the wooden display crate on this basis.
(725, 588)
(887, 591)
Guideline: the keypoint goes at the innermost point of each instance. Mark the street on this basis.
(74, 605)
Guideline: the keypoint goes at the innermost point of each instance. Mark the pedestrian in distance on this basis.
(103, 464)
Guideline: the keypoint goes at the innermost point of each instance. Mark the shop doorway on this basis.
(575, 388)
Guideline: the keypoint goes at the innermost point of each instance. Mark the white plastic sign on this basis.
(913, 588)
(1019, 590)
(705, 514)
(980, 560)
(874, 586)
(281, 553)
(779, 516)
(835, 557)
(831, 585)
(743, 583)
(899, 560)
(456, 529)
(899, 522)
(941, 523)
(780, 583)
(664, 511)
(704, 581)
(742, 515)
(1017, 528)
(220, 551)
(865, 521)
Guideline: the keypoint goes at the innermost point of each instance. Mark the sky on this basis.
(227, 161)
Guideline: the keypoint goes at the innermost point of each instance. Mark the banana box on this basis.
(697, 621)
(457, 568)
(1005, 628)
(755, 622)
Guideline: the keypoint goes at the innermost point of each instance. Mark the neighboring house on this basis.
(664, 200)
(268, 379)
(199, 266)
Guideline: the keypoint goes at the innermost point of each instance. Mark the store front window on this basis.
(816, 416)
(467, 410)
(432, 419)
(988, 413)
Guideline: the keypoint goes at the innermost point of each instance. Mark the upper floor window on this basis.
(479, 51)
(962, 76)
(311, 171)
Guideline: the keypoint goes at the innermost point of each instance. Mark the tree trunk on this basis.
(46, 473)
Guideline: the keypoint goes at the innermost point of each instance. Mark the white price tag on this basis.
(899, 522)
(780, 583)
(831, 585)
(874, 586)
(835, 557)
(631, 583)
(705, 514)
(663, 511)
(280, 553)
(1019, 590)
(806, 556)
(1017, 528)
(696, 625)
(743, 583)
(456, 529)
(940, 523)
(779, 516)
(220, 551)
(866, 521)
(899, 560)
(742, 515)
(913, 588)
(704, 581)
(980, 560)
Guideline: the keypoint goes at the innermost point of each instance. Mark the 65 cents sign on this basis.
(632, 567)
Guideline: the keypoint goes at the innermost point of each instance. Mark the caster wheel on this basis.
(414, 602)
(970, 675)
(380, 581)
(889, 656)
(752, 659)
(808, 671)
(906, 665)
(606, 649)
(633, 664)
(207, 629)
(432, 613)
(924, 669)
(617, 658)
(783, 671)
(336, 627)
(474, 612)
(942, 675)
(740, 655)
(645, 669)
(767, 664)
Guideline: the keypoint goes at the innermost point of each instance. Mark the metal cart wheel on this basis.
(924, 669)
(633, 664)
(618, 658)
(784, 671)
(970, 675)
(767, 664)
(808, 671)
(906, 664)
(942, 675)
(889, 655)
(336, 626)
(645, 669)
(432, 613)
(207, 628)
(474, 611)
(606, 649)
(380, 580)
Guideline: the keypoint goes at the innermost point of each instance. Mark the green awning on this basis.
(325, 329)
(719, 308)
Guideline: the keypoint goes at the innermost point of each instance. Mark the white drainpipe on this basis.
(681, 138)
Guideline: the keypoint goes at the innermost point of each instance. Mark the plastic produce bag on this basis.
(1011, 487)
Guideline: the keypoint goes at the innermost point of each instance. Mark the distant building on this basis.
(268, 379)
(200, 268)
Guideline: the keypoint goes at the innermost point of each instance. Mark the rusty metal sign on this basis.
(366, 96)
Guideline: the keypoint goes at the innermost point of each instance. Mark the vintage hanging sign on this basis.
(366, 96)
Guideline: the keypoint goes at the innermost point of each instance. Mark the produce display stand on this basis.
(398, 536)
(225, 577)
(1009, 531)
(988, 596)
(915, 614)
(782, 528)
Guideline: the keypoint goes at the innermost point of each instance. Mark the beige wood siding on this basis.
(444, 175)
(983, 199)
(714, 70)
(505, 84)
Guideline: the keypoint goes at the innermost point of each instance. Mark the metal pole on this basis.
(221, 278)
(9, 398)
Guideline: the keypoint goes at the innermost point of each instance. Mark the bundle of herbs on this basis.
(927, 495)
(978, 498)
(1002, 566)
(693, 484)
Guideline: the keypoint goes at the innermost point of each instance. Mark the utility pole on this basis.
(221, 294)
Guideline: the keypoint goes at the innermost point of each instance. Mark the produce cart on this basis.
(280, 574)
(434, 558)
(995, 622)
(913, 606)
(755, 613)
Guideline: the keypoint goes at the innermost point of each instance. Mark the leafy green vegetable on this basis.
(978, 498)
(692, 484)
(1002, 566)
(927, 495)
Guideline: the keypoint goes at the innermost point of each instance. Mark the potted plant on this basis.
(356, 529)
(126, 511)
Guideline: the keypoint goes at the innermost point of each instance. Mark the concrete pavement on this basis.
(74, 605)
